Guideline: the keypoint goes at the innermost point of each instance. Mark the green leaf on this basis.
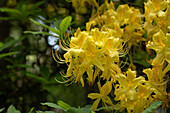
(6, 18)
(107, 108)
(52, 105)
(12, 109)
(45, 26)
(36, 5)
(45, 72)
(38, 32)
(57, 23)
(31, 110)
(10, 43)
(8, 10)
(19, 65)
(1, 44)
(153, 106)
(86, 109)
(140, 58)
(63, 105)
(2, 109)
(75, 110)
(44, 111)
(38, 78)
(65, 24)
(7, 54)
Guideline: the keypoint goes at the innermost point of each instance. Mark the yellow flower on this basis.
(127, 85)
(156, 17)
(90, 51)
(157, 82)
(144, 98)
(161, 44)
(144, 91)
(104, 91)
(123, 14)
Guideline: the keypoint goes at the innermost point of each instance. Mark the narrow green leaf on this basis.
(45, 72)
(38, 32)
(10, 43)
(8, 10)
(6, 18)
(153, 106)
(31, 110)
(38, 78)
(65, 24)
(53, 105)
(75, 110)
(107, 108)
(12, 109)
(2, 109)
(92, 111)
(63, 105)
(36, 5)
(19, 65)
(7, 54)
(45, 26)
(1, 44)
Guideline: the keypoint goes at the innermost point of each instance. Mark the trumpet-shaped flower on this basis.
(104, 91)
(157, 82)
(161, 45)
(144, 98)
(127, 85)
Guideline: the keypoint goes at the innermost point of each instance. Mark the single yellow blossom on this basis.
(161, 45)
(127, 85)
(104, 91)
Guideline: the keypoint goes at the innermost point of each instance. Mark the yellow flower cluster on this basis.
(126, 22)
(96, 51)
(93, 52)
(157, 16)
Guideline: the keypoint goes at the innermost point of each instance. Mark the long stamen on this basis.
(56, 59)
(59, 57)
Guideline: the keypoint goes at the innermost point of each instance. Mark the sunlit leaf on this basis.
(53, 105)
(65, 24)
(63, 105)
(31, 110)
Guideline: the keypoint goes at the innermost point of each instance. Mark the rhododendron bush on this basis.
(94, 54)
(104, 53)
